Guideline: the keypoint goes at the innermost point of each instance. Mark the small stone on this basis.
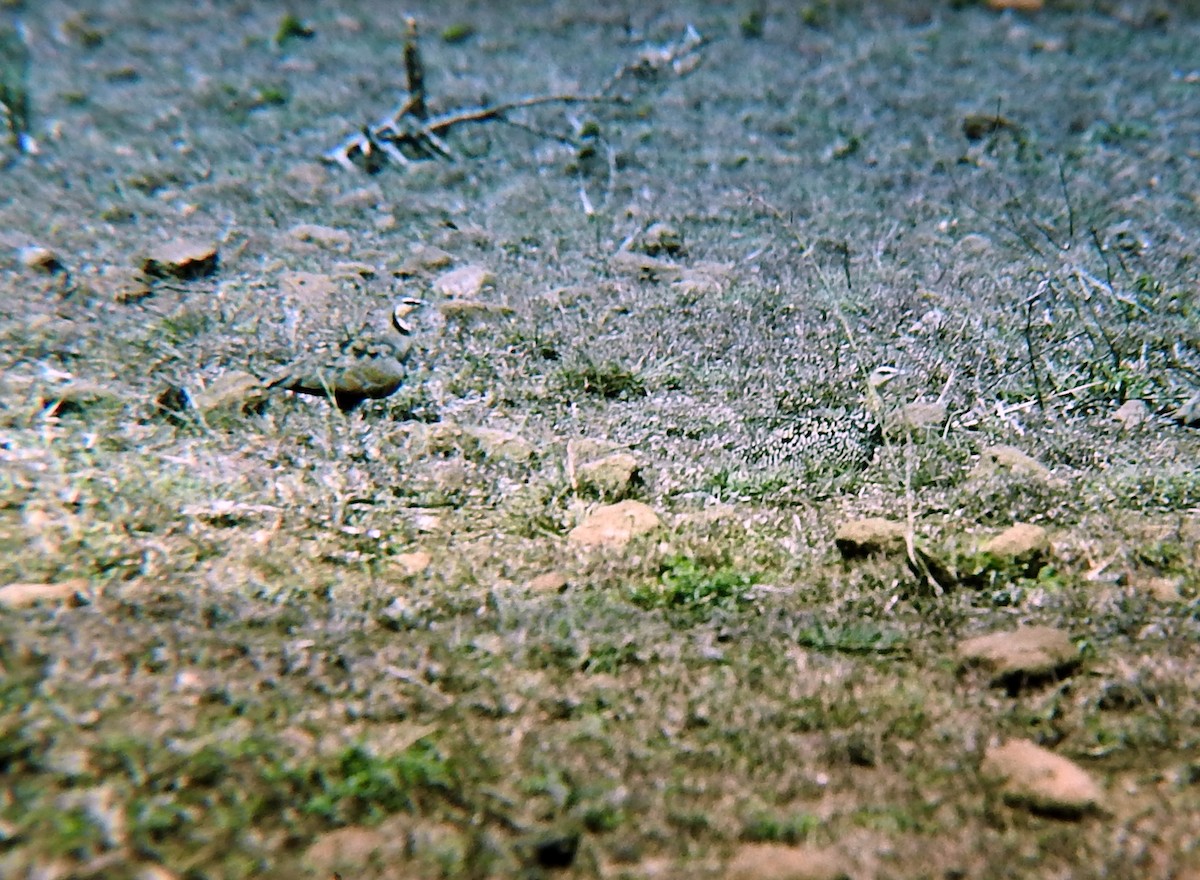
(1040, 781)
(644, 267)
(662, 238)
(424, 258)
(181, 258)
(1162, 589)
(20, 595)
(154, 872)
(41, 259)
(614, 525)
(1009, 458)
(612, 477)
(122, 285)
(548, 582)
(868, 537)
(1026, 655)
(412, 563)
(1022, 544)
(323, 236)
(1016, 5)
(500, 445)
(1132, 413)
(465, 282)
(351, 851)
(234, 393)
(1188, 413)
(774, 861)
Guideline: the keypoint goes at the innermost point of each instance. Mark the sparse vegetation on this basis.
(300, 641)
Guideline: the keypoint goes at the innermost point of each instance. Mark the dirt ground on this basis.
(245, 632)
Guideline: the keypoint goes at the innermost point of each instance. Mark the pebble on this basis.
(774, 861)
(548, 582)
(1131, 414)
(1022, 656)
(21, 595)
(1040, 781)
(1022, 544)
(499, 445)
(323, 236)
(412, 563)
(41, 259)
(182, 258)
(612, 477)
(868, 537)
(466, 282)
(614, 525)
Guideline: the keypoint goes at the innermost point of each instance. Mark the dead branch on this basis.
(408, 134)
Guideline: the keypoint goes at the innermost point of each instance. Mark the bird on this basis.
(825, 440)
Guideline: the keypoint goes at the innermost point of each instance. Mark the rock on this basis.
(1015, 5)
(79, 396)
(499, 445)
(1188, 413)
(181, 258)
(465, 282)
(1040, 781)
(20, 595)
(424, 258)
(868, 537)
(41, 259)
(614, 525)
(234, 393)
(412, 563)
(1023, 545)
(644, 267)
(1162, 589)
(548, 582)
(370, 378)
(1132, 413)
(121, 285)
(662, 238)
(611, 477)
(1026, 655)
(322, 236)
(774, 861)
(1008, 458)
(351, 851)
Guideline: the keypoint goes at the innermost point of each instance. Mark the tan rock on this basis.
(20, 595)
(465, 282)
(773, 861)
(613, 476)
(1021, 544)
(182, 258)
(614, 525)
(412, 563)
(867, 537)
(424, 258)
(322, 236)
(41, 259)
(662, 238)
(234, 392)
(1016, 5)
(1131, 414)
(548, 582)
(996, 459)
(1038, 780)
(1163, 589)
(644, 267)
(1026, 654)
(350, 851)
(499, 445)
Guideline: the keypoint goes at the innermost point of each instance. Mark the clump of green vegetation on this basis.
(608, 380)
(459, 32)
(752, 24)
(852, 638)
(292, 27)
(686, 585)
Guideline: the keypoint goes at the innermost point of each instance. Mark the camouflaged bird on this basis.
(825, 440)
